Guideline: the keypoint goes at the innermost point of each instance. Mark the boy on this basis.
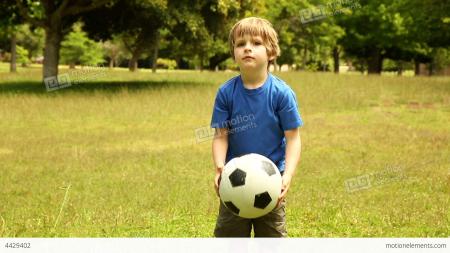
(255, 112)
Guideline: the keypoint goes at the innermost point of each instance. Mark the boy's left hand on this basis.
(286, 182)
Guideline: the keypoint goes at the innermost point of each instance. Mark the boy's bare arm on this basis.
(219, 150)
(293, 149)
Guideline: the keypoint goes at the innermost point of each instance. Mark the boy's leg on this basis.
(272, 224)
(230, 225)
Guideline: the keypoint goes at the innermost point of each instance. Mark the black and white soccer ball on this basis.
(250, 185)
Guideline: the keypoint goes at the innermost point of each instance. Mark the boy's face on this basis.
(250, 53)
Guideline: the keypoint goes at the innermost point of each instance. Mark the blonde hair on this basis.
(256, 27)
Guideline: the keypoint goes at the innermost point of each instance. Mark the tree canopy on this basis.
(313, 34)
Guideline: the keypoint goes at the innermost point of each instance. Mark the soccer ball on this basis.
(250, 186)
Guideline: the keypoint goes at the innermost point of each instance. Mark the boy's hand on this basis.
(217, 179)
(286, 182)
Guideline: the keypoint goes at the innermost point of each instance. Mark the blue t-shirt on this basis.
(256, 118)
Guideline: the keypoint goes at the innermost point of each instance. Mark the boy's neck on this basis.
(254, 80)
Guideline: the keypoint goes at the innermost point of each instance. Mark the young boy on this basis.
(255, 112)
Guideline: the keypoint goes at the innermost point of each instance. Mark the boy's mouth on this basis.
(247, 57)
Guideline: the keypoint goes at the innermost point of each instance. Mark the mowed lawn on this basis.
(117, 156)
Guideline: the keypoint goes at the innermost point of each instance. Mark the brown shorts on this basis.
(272, 224)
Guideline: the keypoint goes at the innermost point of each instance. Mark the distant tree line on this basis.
(368, 35)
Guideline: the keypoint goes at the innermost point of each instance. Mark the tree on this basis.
(308, 45)
(430, 33)
(32, 39)
(286, 21)
(22, 56)
(9, 20)
(114, 50)
(24, 38)
(372, 30)
(136, 22)
(77, 48)
(56, 18)
(198, 30)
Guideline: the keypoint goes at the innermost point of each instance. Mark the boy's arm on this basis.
(219, 150)
(293, 149)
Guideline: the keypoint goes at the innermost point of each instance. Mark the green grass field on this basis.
(117, 156)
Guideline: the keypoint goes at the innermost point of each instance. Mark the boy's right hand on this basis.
(217, 179)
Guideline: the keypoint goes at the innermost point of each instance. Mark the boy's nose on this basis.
(248, 46)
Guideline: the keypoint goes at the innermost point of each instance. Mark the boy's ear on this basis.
(271, 55)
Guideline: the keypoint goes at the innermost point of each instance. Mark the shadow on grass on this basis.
(36, 87)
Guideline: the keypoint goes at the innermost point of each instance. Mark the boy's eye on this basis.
(240, 44)
(258, 43)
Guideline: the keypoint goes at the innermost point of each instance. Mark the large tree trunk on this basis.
(136, 51)
(13, 64)
(155, 52)
(217, 59)
(201, 56)
(431, 67)
(113, 56)
(416, 67)
(53, 38)
(133, 63)
(155, 59)
(336, 59)
(400, 68)
(375, 62)
(305, 56)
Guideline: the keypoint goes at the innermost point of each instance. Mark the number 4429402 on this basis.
(18, 245)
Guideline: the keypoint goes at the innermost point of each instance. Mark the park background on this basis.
(105, 109)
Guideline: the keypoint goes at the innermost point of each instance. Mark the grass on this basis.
(117, 156)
